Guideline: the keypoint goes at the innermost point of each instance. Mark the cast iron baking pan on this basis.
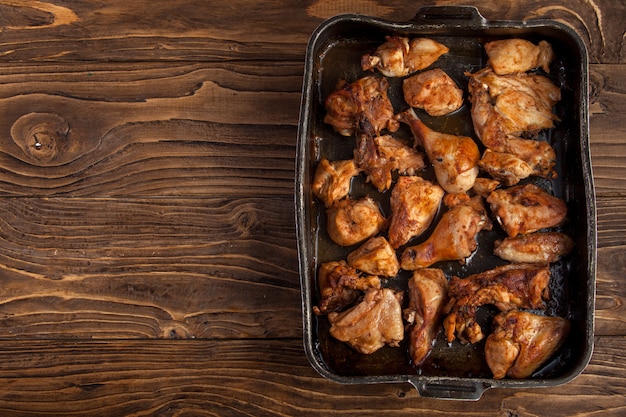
(452, 371)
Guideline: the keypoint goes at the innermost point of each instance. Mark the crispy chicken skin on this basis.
(433, 91)
(507, 287)
(509, 56)
(340, 285)
(414, 204)
(372, 323)
(375, 257)
(538, 247)
(454, 158)
(378, 156)
(454, 237)
(505, 167)
(399, 56)
(365, 98)
(522, 342)
(331, 181)
(428, 289)
(352, 221)
(526, 209)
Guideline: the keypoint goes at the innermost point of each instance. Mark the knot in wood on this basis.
(41, 136)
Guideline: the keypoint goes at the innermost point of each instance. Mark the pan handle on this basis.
(451, 390)
(450, 15)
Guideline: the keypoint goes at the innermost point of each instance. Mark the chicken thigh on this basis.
(376, 257)
(508, 56)
(399, 56)
(331, 181)
(433, 91)
(352, 221)
(522, 342)
(454, 158)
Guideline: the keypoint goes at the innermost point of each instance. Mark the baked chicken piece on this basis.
(340, 285)
(433, 91)
(454, 158)
(509, 56)
(538, 247)
(454, 237)
(507, 287)
(376, 257)
(505, 167)
(331, 181)
(372, 323)
(349, 221)
(526, 209)
(414, 204)
(522, 342)
(364, 99)
(428, 289)
(484, 186)
(379, 156)
(399, 56)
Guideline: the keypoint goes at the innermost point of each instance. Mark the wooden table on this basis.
(148, 261)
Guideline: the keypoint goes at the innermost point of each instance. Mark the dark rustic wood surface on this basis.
(148, 261)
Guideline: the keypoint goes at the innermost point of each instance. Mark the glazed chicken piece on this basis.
(526, 209)
(414, 204)
(485, 186)
(428, 289)
(433, 91)
(364, 99)
(375, 257)
(509, 56)
(331, 181)
(522, 342)
(505, 167)
(352, 221)
(378, 156)
(400, 56)
(454, 158)
(454, 237)
(340, 285)
(538, 247)
(369, 325)
(507, 287)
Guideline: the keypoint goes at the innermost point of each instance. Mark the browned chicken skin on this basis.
(454, 158)
(340, 285)
(507, 287)
(364, 99)
(414, 204)
(372, 323)
(433, 91)
(505, 167)
(546, 247)
(378, 156)
(352, 221)
(428, 289)
(399, 56)
(509, 56)
(526, 208)
(376, 257)
(331, 181)
(522, 342)
(454, 237)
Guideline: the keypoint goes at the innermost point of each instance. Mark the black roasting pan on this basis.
(453, 371)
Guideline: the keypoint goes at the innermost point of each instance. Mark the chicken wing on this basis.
(376, 257)
(522, 342)
(433, 91)
(507, 287)
(378, 156)
(454, 237)
(428, 289)
(526, 208)
(414, 204)
(546, 247)
(505, 167)
(508, 56)
(366, 99)
(352, 221)
(340, 285)
(399, 56)
(369, 325)
(454, 158)
(331, 181)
